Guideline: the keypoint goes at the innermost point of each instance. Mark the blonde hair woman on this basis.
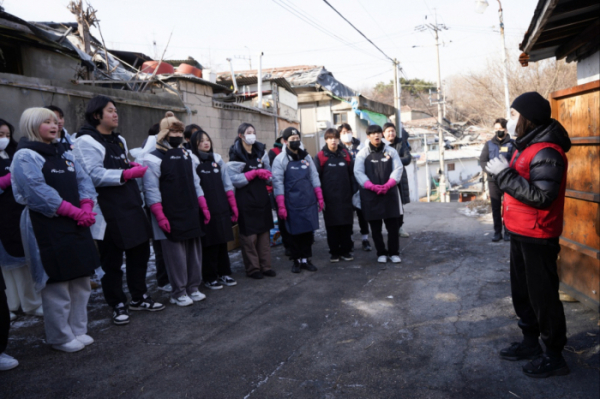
(58, 197)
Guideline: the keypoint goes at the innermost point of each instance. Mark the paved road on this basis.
(430, 327)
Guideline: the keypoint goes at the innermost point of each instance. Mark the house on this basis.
(569, 30)
(409, 114)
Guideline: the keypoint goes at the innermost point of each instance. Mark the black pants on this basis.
(285, 235)
(215, 262)
(534, 285)
(400, 221)
(496, 200)
(391, 225)
(4, 321)
(339, 239)
(111, 259)
(301, 245)
(362, 222)
(162, 278)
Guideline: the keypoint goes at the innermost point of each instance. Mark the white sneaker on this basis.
(39, 312)
(396, 259)
(7, 362)
(85, 339)
(73, 346)
(13, 317)
(183, 300)
(166, 288)
(382, 259)
(197, 296)
(403, 233)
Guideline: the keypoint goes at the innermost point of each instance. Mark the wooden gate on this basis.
(578, 110)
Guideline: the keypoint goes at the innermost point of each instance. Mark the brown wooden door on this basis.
(578, 110)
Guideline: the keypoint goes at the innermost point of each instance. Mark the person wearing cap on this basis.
(352, 144)
(335, 167)
(500, 145)
(122, 226)
(534, 184)
(285, 237)
(249, 171)
(297, 190)
(400, 144)
(378, 170)
(176, 201)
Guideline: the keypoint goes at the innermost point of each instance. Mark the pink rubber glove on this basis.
(66, 209)
(281, 211)
(251, 174)
(204, 207)
(263, 174)
(372, 187)
(134, 173)
(233, 205)
(134, 164)
(5, 182)
(388, 186)
(319, 194)
(87, 205)
(163, 222)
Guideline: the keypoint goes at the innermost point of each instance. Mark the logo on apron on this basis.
(341, 164)
(70, 165)
(260, 164)
(216, 169)
(304, 164)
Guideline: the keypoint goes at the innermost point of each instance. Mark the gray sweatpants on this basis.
(65, 309)
(183, 260)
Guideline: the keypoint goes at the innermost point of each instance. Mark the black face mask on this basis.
(500, 133)
(294, 145)
(175, 141)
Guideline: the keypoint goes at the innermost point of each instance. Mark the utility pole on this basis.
(397, 97)
(505, 61)
(442, 172)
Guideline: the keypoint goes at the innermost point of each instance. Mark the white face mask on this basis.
(4, 143)
(346, 138)
(250, 139)
(511, 125)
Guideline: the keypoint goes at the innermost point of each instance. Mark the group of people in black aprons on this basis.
(71, 205)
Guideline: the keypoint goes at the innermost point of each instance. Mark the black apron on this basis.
(253, 203)
(67, 250)
(300, 198)
(179, 199)
(121, 206)
(336, 183)
(218, 230)
(10, 217)
(378, 168)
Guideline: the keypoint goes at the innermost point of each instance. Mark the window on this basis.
(340, 118)
(10, 58)
(450, 167)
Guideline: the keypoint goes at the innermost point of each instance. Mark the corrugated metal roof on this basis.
(247, 81)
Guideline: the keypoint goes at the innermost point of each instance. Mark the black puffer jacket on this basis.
(403, 149)
(545, 170)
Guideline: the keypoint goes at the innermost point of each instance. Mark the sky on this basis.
(305, 32)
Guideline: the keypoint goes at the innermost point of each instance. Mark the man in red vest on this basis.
(534, 185)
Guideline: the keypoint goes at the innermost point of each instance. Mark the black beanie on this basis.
(290, 131)
(533, 107)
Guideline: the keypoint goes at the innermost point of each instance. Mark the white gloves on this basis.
(497, 165)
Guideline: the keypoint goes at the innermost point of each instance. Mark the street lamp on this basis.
(480, 7)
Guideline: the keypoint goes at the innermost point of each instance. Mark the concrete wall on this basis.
(464, 169)
(17, 93)
(588, 70)
(40, 63)
(222, 124)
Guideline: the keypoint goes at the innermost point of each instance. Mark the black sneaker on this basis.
(256, 275)
(227, 280)
(497, 237)
(146, 304)
(288, 253)
(334, 259)
(269, 273)
(519, 351)
(213, 285)
(366, 245)
(120, 315)
(546, 366)
(296, 267)
(347, 257)
(308, 266)
(506, 236)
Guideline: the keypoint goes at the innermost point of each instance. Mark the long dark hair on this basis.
(11, 148)
(95, 109)
(243, 127)
(524, 126)
(196, 139)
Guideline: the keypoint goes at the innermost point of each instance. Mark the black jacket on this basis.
(403, 149)
(545, 170)
(239, 154)
(484, 158)
(353, 148)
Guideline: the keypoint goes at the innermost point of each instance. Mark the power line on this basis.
(356, 29)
